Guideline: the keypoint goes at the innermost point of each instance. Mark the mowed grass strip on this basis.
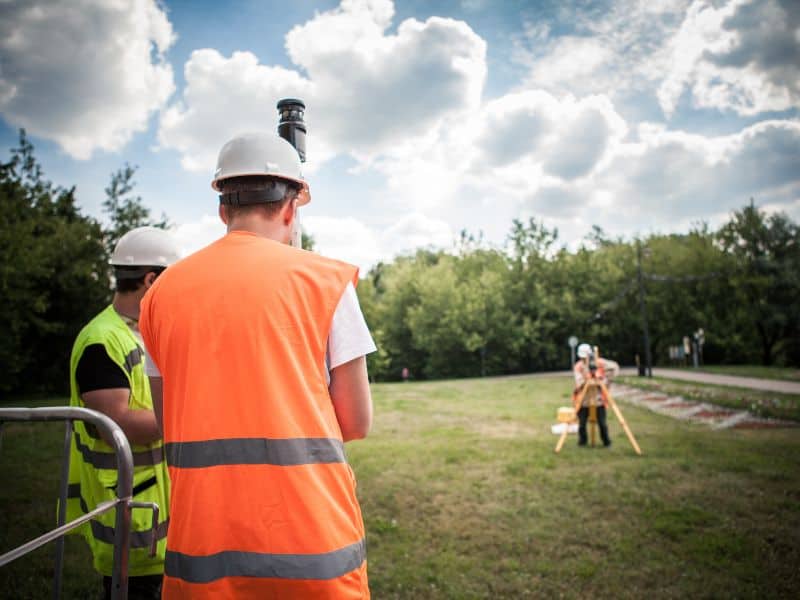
(762, 403)
(463, 497)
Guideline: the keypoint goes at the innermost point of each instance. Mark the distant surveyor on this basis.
(588, 369)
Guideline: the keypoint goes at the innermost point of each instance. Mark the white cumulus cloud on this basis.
(612, 48)
(741, 56)
(225, 96)
(416, 231)
(367, 91)
(674, 178)
(194, 235)
(529, 136)
(86, 73)
(344, 238)
(502, 152)
(351, 240)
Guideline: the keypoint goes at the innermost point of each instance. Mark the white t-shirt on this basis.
(349, 337)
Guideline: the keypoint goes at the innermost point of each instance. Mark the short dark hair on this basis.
(256, 183)
(128, 280)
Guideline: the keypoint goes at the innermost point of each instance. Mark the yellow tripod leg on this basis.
(563, 437)
(621, 419)
(579, 400)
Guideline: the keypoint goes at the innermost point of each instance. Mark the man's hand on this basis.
(139, 426)
(157, 394)
(351, 397)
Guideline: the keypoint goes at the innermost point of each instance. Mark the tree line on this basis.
(474, 309)
(54, 271)
(483, 310)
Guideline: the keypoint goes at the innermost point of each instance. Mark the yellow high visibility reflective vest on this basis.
(93, 463)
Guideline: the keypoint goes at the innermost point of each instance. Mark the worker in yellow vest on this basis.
(259, 348)
(107, 375)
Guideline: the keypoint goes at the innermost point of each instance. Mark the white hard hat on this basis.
(146, 247)
(584, 350)
(259, 154)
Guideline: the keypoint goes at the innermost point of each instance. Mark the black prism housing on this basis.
(291, 125)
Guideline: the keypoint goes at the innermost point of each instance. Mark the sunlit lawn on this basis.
(463, 497)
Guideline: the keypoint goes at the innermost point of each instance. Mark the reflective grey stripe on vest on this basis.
(254, 451)
(105, 533)
(108, 460)
(205, 569)
(134, 357)
(74, 492)
(139, 539)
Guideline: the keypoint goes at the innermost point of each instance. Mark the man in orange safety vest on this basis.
(259, 377)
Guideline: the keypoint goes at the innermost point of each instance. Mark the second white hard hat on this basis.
(146, 247)
(259, 154)
(584, 350)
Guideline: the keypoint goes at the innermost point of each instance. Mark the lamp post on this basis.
(572, 342)
(699, 340)
(643, 309)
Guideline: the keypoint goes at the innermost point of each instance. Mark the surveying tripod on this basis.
(592, 386)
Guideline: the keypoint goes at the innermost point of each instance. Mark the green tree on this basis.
(458, 318)
(766, 250)
(377, 362)
(396, 288)
(541, 295)
(53, 275)
(307, 241)
(125, 210)
(598, 304)
(480, 310)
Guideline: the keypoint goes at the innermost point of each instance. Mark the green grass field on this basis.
(463, 497)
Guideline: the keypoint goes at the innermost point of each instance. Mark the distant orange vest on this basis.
(600, 375)
(263, 500)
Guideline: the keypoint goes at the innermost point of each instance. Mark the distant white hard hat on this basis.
(584, 350)
(259, 154)
(146, 247)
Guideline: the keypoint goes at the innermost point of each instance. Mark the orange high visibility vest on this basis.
(600, 374)
(263, 500)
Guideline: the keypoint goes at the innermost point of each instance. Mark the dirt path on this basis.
(772, 385)
(753, 383)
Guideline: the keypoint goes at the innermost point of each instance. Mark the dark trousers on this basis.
(143, 587)
(583, 416)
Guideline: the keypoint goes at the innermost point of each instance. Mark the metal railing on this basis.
(123, 504)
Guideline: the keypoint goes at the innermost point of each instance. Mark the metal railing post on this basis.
(62, 511)
(122, 504)
(122, 529)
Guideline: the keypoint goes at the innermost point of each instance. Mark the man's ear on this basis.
(149, 278)
(289, 211)
(304, 195)
(223, 213)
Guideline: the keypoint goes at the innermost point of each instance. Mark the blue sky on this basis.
(425, 118)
